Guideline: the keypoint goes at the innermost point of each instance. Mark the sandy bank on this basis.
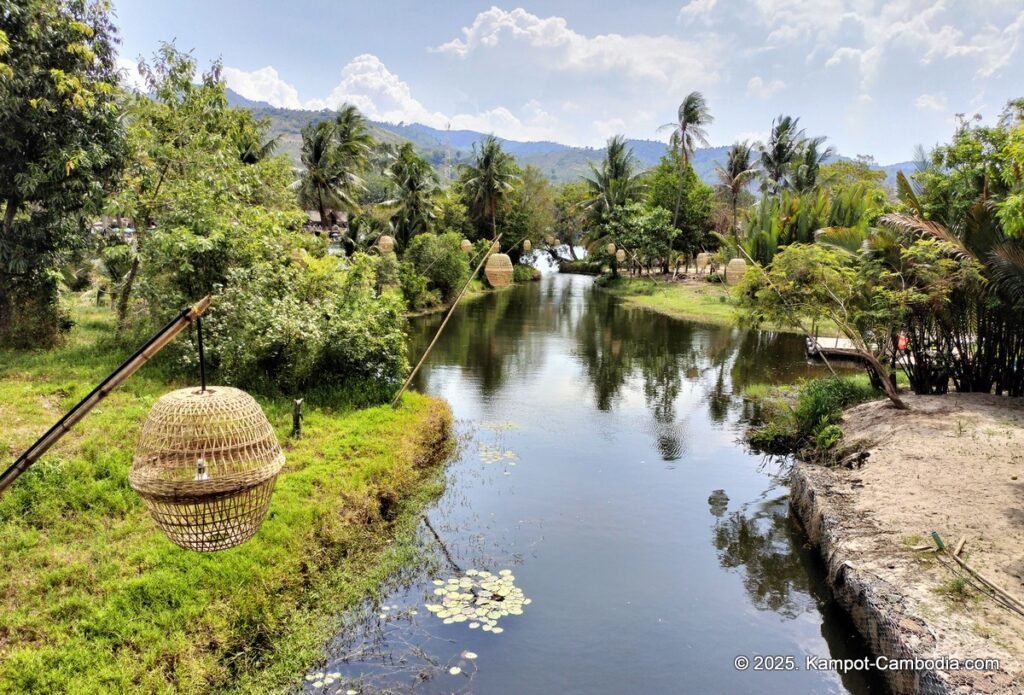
(951, 464)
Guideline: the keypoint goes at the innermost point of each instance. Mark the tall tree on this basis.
(61, 143)
(734, 177)
(687, 131)
(334, 154)
(616, 182)
(415, 186)
(806, 169)
(778, 154)
(487, 181)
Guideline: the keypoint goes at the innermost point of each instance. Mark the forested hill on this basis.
(557, 161)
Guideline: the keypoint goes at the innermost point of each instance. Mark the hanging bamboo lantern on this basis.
(549, 240)
(466, 246)
(499, 270)
(620, 255)
(527, 246)
(558, 242)
(495, 247)
(386, 244)
(735, 270)
(205, 466)
(703, 260)
(611, 249)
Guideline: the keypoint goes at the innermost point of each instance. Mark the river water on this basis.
(601, 462)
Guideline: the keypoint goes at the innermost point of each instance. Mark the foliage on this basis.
(779, 153)
(334, 155)
(734, 179)
(311, 325)
(441, 261)
(486, 183)
(415, 185)
(687, 131)
(646, 233)
(61, 145)
(615, 183)
(522, 272)
(671, 184)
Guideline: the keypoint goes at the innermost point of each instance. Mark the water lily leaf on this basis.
(468, 655)
(455, 670)
(473, 626)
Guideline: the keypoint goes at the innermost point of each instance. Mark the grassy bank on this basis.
(693, 301)
(95, 599)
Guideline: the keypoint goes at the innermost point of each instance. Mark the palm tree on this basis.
(487, 181)
(253, 142)
(334, 153)
(780, 151)
(739, 170)
(616, 183)
(687, 132)
(415, 187)
(807, 164)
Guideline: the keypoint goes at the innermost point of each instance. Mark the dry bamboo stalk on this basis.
(152, 346)
(960, 545)
(426, 353)
(1014, 602)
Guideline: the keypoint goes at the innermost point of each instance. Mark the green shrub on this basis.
(415, 289)
(440, 260)
(524, 273)
(828, 435)
(821, 400)
(309, 325)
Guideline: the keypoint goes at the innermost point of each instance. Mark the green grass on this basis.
(702, 301)
(95, 599)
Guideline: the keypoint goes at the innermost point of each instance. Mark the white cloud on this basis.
(931, 102)
(663, 59)
(763, 90)
(696, 9)
(609, 127)
(130, 76)
(262, 85)
(381, 95)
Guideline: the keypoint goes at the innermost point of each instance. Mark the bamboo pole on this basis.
(152, 346)
(426, 353)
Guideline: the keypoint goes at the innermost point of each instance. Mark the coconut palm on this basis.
(415, 187)
(616, 183)
(687, 131)
(487, 181)
(734, 178)
(253, 142)
(807, 163)
(778, 154)
(334, 154)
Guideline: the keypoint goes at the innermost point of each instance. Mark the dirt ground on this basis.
(952, 464)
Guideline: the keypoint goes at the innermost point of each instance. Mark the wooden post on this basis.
(297, 417)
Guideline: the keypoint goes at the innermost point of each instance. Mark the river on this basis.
(601, 463)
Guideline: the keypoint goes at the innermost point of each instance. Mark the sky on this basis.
(877, 77)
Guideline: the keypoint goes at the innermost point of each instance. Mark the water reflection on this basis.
(597, 440)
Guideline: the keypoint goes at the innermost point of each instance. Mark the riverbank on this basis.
(93, 598)
(950, 464)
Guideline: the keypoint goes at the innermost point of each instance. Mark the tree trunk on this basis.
(9, 212)
(320, 208)
(126, 293)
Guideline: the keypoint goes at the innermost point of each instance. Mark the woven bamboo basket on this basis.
(611, 249)
(558, 242)
(549, 240)
(205, 467)
(703, 261)
(386, 244)
(527, 246)
(466, 246)
(735, 270)
(499, 270)
(620, 255)
(495, 247)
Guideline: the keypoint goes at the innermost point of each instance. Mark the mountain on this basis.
(558, 162)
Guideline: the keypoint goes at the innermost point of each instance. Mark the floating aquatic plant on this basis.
(478, 598)
(489, 453)
(502, 426)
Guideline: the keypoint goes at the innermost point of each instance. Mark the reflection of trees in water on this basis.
(761, 544)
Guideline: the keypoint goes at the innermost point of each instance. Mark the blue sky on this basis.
(876, 76)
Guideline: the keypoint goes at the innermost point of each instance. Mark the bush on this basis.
(310, 325)
(415, 289)
(821, 400)
(524, 273)
(440, 260)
